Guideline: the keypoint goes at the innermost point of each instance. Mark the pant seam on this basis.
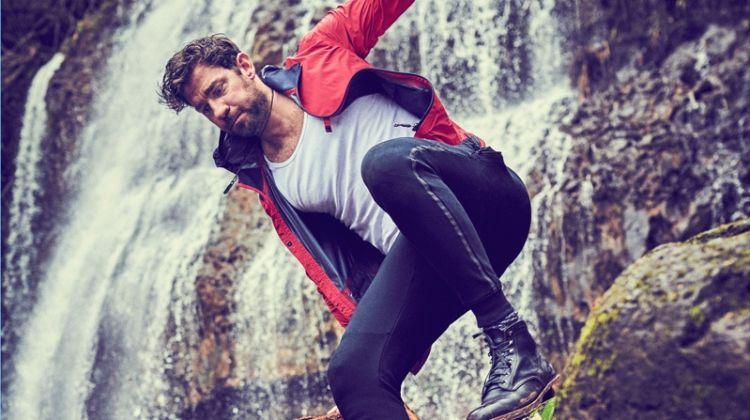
(447, 213)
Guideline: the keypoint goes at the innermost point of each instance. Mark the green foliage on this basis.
(544, 411)
(549, 409)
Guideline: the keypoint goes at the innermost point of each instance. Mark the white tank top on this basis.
(323, 173)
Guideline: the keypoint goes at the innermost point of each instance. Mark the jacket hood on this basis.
(234, 152)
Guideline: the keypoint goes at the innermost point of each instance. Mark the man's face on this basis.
(229, 98)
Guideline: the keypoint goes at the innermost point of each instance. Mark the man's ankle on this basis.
(492, 310)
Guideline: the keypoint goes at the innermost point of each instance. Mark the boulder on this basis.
(670, 338)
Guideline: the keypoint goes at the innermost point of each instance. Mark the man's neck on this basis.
(284, 127)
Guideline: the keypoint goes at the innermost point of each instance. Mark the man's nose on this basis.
(220, 111)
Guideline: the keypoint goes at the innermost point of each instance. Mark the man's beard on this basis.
(257, 115)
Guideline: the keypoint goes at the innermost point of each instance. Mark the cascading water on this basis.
(24, 206)
(20, 265)
(120, 286)
(93, 345)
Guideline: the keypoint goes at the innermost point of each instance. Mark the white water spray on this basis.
(26, 184)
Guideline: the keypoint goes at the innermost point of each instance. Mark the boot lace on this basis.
(500, 362)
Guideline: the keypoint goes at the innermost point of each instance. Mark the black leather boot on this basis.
(520, 379)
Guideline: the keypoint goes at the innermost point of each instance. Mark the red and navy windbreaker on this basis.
(327, 73)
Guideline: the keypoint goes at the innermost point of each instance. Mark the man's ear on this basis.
(245, 64)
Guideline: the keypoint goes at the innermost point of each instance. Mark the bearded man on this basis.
(391, 207)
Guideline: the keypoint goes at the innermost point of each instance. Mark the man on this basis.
(388, 204)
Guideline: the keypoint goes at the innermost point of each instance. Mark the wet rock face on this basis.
(278, 27)
(210, 366)
(637, 33)
(670, 338)
(656, 158)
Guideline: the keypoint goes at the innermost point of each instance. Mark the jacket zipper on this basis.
(416, 125)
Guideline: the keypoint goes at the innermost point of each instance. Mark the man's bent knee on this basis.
(387, 165)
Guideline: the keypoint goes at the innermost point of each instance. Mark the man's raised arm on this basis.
(357, 24)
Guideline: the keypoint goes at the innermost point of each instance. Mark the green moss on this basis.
(719, 254)
(696, 315)
(600, 365)
(590, 351)
(600, 324)
(603, 365)
(577, 358)
(586, 331)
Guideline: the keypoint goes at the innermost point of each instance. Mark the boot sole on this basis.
(527, 409)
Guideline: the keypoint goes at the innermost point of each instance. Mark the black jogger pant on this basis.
(463, 217)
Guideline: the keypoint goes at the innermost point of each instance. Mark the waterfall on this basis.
(94, 343)
(284, 337)
(26, 185)
(481, 55)
(119, 292)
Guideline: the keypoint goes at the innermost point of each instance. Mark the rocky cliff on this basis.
(657, 157)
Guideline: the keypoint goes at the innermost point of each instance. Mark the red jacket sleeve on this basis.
(357, 24)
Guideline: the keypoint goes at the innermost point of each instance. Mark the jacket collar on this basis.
(283, 80)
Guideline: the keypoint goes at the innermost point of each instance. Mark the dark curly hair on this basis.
(214, 50)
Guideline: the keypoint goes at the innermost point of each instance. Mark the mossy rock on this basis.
(670, 338)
